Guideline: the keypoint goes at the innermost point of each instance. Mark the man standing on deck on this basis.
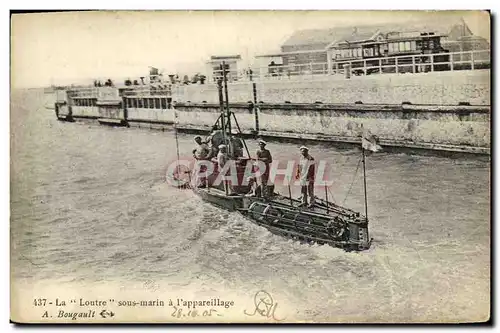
(305, 174)
(264, 155)
(222, 156)
(202, 153)
(222, 159)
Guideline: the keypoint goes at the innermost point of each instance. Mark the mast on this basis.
(222, 116)
(228, 112)
(326, 197)
(255, 111)
(364, 180)
(221, 105)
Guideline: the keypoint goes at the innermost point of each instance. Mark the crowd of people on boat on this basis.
(215, 149)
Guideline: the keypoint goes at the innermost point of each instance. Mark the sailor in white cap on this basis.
(255, 189)
(222, 156)
(264, 155)
(305, 174)
(222, 159)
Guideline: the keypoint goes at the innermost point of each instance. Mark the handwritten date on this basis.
(178, 313)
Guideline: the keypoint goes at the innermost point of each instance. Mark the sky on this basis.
(73, 47)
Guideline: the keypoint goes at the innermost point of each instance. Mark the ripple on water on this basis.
(107, 214)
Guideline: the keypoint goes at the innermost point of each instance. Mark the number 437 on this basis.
(39, 301)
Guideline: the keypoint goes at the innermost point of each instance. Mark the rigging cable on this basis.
(176, 144)
(353, 179)
(333, 198)
(176, 121)
(339, 177)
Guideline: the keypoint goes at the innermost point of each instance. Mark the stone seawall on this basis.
(437, 88)
(205, 115)
(98, 112)
(464, 126)
(432, 127)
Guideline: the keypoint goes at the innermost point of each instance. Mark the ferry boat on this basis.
(323, 223)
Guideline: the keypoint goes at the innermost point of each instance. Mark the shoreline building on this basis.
(233, 66)
(320, 51)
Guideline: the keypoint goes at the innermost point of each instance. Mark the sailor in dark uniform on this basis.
(264, 155)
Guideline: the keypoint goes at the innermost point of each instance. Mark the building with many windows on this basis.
(379, 50)
(327, 50)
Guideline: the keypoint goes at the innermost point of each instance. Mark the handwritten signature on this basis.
(264, 305)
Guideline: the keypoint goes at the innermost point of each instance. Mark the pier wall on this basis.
(154, 115)
(438, 88)
(111, 112)
(206, 115)
(402, 124)
(462, 126)
(86, 111)
(331, 109)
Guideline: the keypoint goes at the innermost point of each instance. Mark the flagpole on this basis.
(364, 180)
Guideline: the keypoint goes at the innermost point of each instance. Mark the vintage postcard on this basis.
(250, 167)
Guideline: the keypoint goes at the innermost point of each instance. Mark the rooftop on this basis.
(279, 54)
(231, 57)
(327, 37)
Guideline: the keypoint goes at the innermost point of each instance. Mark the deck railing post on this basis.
(413, 64)
(472, 60)
(432, 62)
(396, 62)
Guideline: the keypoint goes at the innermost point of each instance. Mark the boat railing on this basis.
(115, 93)
(83, 92)
(144, 91)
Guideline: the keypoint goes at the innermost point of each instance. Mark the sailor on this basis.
(222, 159)
(222, 156)
(202, 152)
(305, 174)
(255, 189)
(264, 155)
(216, 138)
